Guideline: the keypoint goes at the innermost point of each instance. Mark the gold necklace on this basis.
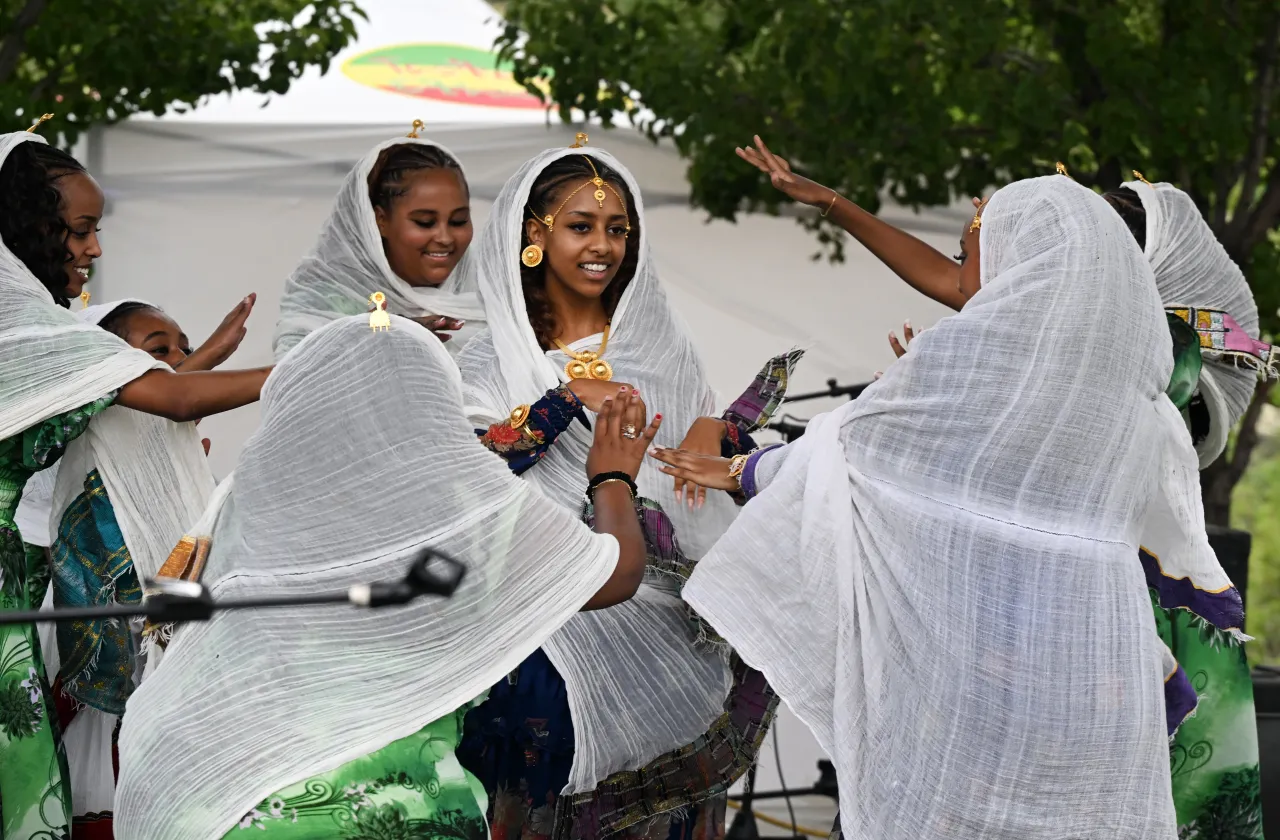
(586, 364)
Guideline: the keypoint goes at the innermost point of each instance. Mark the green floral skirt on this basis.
(411, 789)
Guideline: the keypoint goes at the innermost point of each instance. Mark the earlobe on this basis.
(380, 216)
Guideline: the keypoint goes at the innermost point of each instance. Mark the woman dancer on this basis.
(625, 716)
(401, 225)
(330, 722)
(1212, 315)
(975, 630)
(60, 375)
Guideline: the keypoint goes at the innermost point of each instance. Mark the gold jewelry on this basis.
(1138, 175)
(737, 464)
(609, 480)
(629, 432)
(417, 126)
(976, 224)
(84, 299)
(586, 364)
(44, 119)
(520, 416)
(579, 140)
(834, 196)
(531, 256)
(599, 195)
(379, 320)
(1061, 169)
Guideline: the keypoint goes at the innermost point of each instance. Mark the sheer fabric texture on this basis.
(639, 684)
(348, 264)
(938, 577)
(1193, 269)
(363, 458)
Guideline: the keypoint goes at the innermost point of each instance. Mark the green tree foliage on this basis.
(926, 101)
(94, 61)
(1256, 510)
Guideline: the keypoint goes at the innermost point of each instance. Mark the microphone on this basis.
(171, 601)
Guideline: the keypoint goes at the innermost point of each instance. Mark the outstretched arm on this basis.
(182, 397)
(924, 268)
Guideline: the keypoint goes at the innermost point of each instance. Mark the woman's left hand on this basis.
(900, 347)
(703, 438)
(695, 468)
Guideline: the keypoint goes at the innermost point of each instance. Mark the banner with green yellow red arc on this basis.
(442, 72)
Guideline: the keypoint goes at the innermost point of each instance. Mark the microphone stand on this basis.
(173, 601)
(791, 432)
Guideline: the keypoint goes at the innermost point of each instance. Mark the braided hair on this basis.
(117, 320)
(558, 174)
(394, 164)
(1129, 206)
(31, 222)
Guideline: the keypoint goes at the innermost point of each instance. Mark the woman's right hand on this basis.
(224, 341)
(621, 436)
(797, 187)
(440, 326)
(592, 392)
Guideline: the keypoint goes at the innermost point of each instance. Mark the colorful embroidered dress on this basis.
(520, 742)
(412, 788)
(35, 801)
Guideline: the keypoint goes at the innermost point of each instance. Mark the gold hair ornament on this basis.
(579, 140)
(586, 364)
(43, 119)
(417, 126)
(1061, 169)
(599, 195)
(379, 320)
(976, 224)
(1138, 175)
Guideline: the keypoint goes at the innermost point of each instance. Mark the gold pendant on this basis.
(601, 370)
(576, 370)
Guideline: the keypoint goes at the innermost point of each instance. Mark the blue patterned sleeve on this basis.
(523, 447)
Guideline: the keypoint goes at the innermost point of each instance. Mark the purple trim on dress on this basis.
(749, 488)
(1223, 610)
(1180, 699)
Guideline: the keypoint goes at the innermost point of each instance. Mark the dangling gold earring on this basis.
(531, 256)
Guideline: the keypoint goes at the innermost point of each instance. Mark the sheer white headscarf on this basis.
(940, 578)
(34, 516)
(154, 470)
(638, 684)
(1193, 269)
(348, 264)
(363, 458)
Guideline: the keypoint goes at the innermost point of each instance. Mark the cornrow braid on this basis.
(391, 169)
(117, 319)
(544, 195)
(1127, 203)
(31, 222)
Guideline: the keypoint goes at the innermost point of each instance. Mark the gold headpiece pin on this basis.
(417, 126)
(599, 195)
(84, 299)
(379, 320)
(579, 140)
(43, 119)
(1138, 175)
(1061, 169)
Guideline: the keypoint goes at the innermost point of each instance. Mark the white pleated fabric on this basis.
(363, 458)
(348, 264)
(1193, 269)
(638, 684)
(940, 578)
(34, 512)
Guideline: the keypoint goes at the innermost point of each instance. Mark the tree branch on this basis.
(15, 42)
(1264, 92)
(1260, 219)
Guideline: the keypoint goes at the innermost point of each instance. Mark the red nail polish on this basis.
(657, 417)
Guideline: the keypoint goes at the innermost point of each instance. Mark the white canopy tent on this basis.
(208, 206)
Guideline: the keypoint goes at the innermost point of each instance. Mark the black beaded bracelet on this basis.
(601, 478)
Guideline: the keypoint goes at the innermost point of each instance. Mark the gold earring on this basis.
(531, 256)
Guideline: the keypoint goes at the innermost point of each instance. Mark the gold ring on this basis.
(629, 432)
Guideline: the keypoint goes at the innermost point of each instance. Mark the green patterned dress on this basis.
(35, 800)
(411, 789)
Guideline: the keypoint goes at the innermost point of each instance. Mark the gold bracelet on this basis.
(834, 196)
(737, 464)
(611, 480)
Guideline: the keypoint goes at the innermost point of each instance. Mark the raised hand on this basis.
(224, 341)
(592, 392)
(621, 436)
(900, 347)
(796, 187)
(704, 438)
